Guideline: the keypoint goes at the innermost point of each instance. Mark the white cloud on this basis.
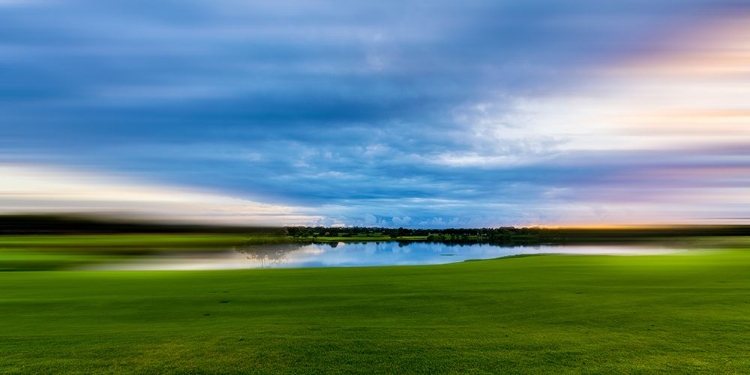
(26, 188)
(401, 221)
(696, 93)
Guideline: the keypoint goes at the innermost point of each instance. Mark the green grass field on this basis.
(535, 314)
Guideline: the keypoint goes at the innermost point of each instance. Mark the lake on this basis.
(365, 255)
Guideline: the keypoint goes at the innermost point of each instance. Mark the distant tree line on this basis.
(38, 224)
(523, 235)
(87, 224)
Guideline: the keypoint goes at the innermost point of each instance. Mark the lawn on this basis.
(533, 314)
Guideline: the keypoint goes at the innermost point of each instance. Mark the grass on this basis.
(536, 314)
(115, 243)
(55, 252)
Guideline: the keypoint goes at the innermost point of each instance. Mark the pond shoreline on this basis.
(370, 254)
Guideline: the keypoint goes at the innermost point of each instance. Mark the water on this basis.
(365, 255)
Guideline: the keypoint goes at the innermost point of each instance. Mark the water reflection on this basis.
(268, 255)
(369, 254)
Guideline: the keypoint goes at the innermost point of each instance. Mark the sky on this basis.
(401, 113)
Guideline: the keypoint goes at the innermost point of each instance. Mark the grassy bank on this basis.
(56, 252)
(539, 314)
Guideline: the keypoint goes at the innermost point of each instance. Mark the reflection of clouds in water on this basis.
(369, 250)
(267, 254)
(393, 253)
(369, 254)
(311, 250)
(426, 253)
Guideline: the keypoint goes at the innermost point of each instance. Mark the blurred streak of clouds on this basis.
(409, 113)
(31, 189)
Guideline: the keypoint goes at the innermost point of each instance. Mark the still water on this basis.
(365, 255)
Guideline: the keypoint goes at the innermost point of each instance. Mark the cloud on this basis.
(401, 221)
(44, 189)
(390, 113)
